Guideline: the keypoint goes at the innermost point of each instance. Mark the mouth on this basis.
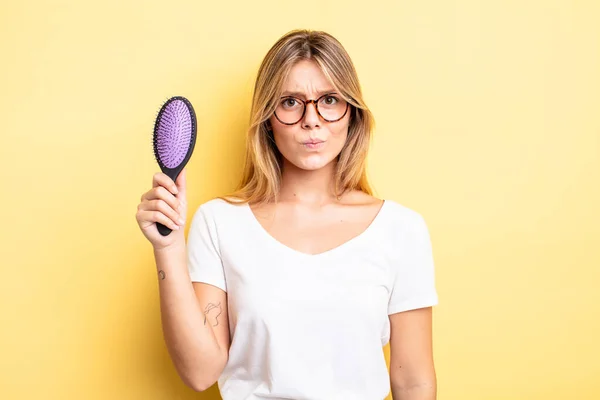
(313, 143)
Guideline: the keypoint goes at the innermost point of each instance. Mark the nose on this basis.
(311, 116)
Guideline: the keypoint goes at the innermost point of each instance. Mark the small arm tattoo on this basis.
(214, 310)
(161, 273)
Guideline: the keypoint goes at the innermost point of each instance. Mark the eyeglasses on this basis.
(330, 107)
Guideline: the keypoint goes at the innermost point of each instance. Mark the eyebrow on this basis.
(320, 93)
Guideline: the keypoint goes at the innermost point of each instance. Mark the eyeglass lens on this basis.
(291, 109)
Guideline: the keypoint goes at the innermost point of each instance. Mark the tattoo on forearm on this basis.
(214, 310)
(161, 273)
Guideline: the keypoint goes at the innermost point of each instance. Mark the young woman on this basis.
(290, 287)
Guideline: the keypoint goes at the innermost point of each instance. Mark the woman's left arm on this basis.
(412, 372)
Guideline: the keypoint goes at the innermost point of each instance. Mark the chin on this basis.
(313, 162)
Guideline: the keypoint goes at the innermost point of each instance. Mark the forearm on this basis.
(423, 390)
(192, 344)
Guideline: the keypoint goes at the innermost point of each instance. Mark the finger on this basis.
(181, 184)
(160, 193)
(166, 209)
(157, 216)
(162, 179)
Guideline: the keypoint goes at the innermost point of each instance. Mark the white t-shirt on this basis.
(310, 326)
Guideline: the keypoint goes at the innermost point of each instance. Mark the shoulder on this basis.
(402, 218)
(219, 209)
(404, 234)
(397, 215)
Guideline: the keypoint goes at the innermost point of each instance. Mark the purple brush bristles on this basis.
(174, 133)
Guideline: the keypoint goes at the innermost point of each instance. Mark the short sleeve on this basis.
(413, 272)
(203, 255)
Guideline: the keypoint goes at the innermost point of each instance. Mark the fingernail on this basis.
(175, 190)
(181, 221)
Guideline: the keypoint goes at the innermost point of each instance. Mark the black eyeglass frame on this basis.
(316, 103)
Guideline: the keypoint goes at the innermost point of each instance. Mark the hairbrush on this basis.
(173, 140)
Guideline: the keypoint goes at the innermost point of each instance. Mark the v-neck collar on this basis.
(348, 243)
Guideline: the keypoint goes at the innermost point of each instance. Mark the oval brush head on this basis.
(173, 139)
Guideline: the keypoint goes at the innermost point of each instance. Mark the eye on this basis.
(289, 102)
(330, 100)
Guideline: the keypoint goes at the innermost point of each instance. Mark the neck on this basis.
(307, 187)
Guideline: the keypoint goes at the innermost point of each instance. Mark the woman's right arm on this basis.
(193, 314)
(194, 320)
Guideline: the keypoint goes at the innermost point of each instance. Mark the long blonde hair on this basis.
(261, 178)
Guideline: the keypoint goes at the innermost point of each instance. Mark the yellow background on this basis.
(488, 124)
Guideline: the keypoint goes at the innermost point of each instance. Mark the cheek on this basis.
(338, 138)
(341, 134)
(284, 140)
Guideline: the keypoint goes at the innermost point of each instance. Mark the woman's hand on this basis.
(166, 203)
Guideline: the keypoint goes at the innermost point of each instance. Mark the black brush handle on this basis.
(163, 230)
(172, 173)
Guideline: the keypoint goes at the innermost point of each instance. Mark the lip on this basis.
(313, 144)
(313, 141)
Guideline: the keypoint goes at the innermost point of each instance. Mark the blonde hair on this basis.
(261, 178)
